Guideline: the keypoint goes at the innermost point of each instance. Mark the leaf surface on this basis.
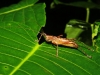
(20, 53)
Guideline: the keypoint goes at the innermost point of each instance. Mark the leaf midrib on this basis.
(35, 48)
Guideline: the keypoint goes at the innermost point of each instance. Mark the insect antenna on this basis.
(40, 37)
(41, 34)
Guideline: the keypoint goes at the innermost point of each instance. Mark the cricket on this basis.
(58, 40)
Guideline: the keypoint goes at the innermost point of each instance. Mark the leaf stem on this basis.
(87, 14)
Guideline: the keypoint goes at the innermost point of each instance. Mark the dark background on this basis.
(57, 17)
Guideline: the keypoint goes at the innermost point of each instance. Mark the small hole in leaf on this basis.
(6, 67)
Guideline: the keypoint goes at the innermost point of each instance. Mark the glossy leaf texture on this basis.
(19, 26)
(20, 53)
(75, 27)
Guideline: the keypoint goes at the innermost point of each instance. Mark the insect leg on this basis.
(60, 36)
(89, 56)
(57, 51)
(87, 46)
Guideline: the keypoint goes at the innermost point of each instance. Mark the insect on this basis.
(58, 40)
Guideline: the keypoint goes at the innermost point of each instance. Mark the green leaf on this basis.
(19, 26)
(20, 54)
(69, 61)
(75, 27)
(82, 4)
(95, 34)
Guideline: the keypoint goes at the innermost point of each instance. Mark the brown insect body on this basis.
(60, 41)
